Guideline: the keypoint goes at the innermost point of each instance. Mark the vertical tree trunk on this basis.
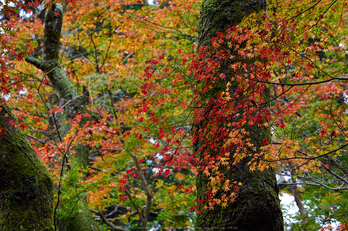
(256, 205)
(80, 218)
(26, 188)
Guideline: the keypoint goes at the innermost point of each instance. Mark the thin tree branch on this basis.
(99, 213)
(135, 206)
(334, 174)
(337, 165)
(147, 190)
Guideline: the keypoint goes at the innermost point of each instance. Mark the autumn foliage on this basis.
(144, 75)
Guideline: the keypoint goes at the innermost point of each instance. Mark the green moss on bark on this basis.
(52, 33)
(78, 219)
(25, 185)
(219, 15)
(256, 205)
(61, 83)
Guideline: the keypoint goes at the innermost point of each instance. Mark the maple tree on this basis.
(293, 68)
(26, 187)
(63, 139)
(116, 94)
(227, 137)
(309, 79)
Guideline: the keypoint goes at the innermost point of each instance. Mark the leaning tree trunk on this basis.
(256, 204)
(80, 218)
(26, 188)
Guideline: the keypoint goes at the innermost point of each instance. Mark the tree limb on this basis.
(146, 187)
(99, 213)
(37, 63)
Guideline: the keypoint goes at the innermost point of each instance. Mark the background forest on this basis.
(143, 113)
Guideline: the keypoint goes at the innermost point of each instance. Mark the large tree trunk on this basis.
(256, 204)
(80, 218)
(26, 188)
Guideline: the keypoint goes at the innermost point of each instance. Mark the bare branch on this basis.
(337, 165)
(334, 174)
(146, 187)
(105, 220)
(135, 206)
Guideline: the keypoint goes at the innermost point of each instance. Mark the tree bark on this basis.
(81, 218)
(26, 188)
(256, 204)
(296, 192)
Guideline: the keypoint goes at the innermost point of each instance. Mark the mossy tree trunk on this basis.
(26, 188)
(256, 204)
(68, 97)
